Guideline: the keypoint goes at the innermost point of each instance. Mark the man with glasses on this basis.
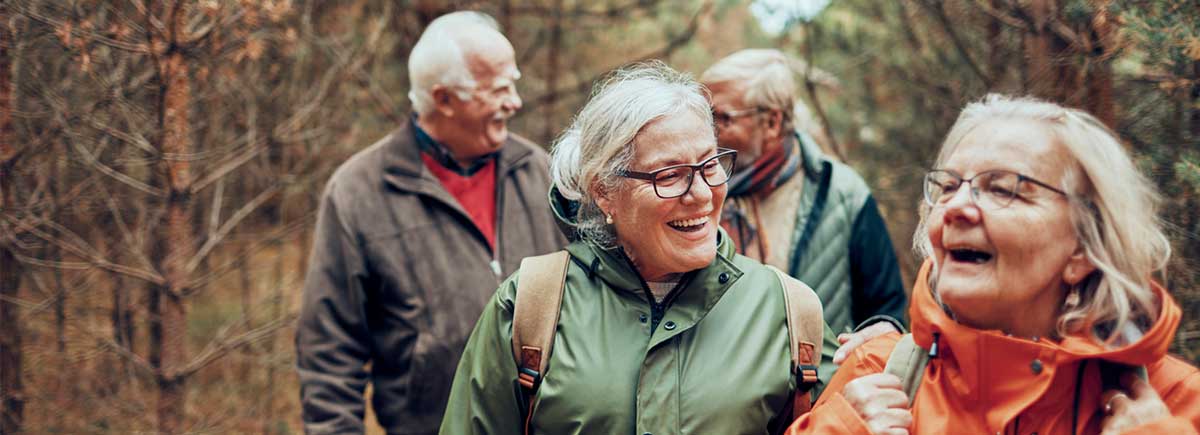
(792, 207)
(414, 235)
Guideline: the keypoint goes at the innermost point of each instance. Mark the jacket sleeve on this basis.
(485, 397)
(832, 414)
(331, 336)
(874, 274)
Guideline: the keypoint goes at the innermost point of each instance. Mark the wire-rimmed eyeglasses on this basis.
(989, 189)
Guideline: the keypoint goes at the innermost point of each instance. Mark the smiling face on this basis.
(668, 236)
(1007, 268)
(480, 122)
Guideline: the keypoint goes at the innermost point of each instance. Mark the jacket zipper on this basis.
(495, 264)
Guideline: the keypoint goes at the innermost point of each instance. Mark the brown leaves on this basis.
(1191, 48)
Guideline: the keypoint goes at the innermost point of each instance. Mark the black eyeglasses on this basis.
(989, 189)
(723, 119)
(675, 181)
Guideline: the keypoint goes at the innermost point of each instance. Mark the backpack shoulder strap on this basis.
(907, 362)
(535, 316)
(806, 330)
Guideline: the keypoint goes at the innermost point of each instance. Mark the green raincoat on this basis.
(711, 359)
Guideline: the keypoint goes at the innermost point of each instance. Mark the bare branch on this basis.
(82, 33)
(1000, 16)
(115, 174)
(229, 225)
(939, 12)
(674, 44)
(218, 348)
(214, 273)
(228, 166)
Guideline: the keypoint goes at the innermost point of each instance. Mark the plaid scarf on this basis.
(760, 179)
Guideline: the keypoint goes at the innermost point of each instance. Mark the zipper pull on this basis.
(495, 267)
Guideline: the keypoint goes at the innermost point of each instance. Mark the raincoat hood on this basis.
(991, 367)
(929, 318)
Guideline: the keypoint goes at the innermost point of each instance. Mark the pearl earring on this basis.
(608, 219)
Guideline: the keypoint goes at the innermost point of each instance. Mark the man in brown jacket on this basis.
(414, 235)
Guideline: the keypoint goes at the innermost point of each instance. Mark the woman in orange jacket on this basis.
(1037, 275)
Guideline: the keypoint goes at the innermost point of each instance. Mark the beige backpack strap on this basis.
(806, 330)
(907, 362)
(535, 317)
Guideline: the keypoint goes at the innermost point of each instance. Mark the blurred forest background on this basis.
(160, 161)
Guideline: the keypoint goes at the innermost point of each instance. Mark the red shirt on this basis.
(476, 193)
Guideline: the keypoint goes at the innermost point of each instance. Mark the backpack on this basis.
(908, 361)
(539, 299)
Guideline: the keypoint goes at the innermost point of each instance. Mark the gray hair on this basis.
(1114, 210)
(768, 76)
(437, 58)
(599, 142)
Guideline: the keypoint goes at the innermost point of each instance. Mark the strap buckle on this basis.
(806, 377)
(529, 378)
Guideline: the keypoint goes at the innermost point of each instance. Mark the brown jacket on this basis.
(398, 276)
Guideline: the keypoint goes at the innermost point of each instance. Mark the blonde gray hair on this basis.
(768, 77)
(598, 145)
(438, 59)
(1114, 209)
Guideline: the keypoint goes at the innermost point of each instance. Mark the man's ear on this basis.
(443, 100)
(774, 123)
(1078, 267)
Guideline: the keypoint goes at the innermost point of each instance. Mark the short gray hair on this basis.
(437, 58)
(599, 142)
(1114, 209)
(768, 76)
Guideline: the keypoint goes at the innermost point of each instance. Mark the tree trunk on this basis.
(176, 235)
(549, 126)
(12, 408)
(1049, 73)
(1098, 78)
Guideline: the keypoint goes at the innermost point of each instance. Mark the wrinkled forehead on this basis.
(727, 95)
(1022, 146)
(489, 56)
(677, 138)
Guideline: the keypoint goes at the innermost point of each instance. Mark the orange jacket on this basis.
(983, 382)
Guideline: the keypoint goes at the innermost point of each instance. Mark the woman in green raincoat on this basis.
(663, 328)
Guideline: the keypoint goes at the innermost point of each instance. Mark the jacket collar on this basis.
(404, 169)
(702, 287)
(810, 156)
(989, 367)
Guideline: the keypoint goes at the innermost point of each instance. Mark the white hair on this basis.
(437, 58)
(1114, 209)
(599, 142)
(767, 76)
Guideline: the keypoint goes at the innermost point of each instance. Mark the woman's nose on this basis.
(699, 191)
(961, 206)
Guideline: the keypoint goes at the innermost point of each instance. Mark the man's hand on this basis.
(851, 341)
(880, 402)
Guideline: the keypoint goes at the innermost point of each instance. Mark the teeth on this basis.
(688, 222)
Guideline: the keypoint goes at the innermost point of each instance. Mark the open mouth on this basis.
(967, 255)
(689, 225)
